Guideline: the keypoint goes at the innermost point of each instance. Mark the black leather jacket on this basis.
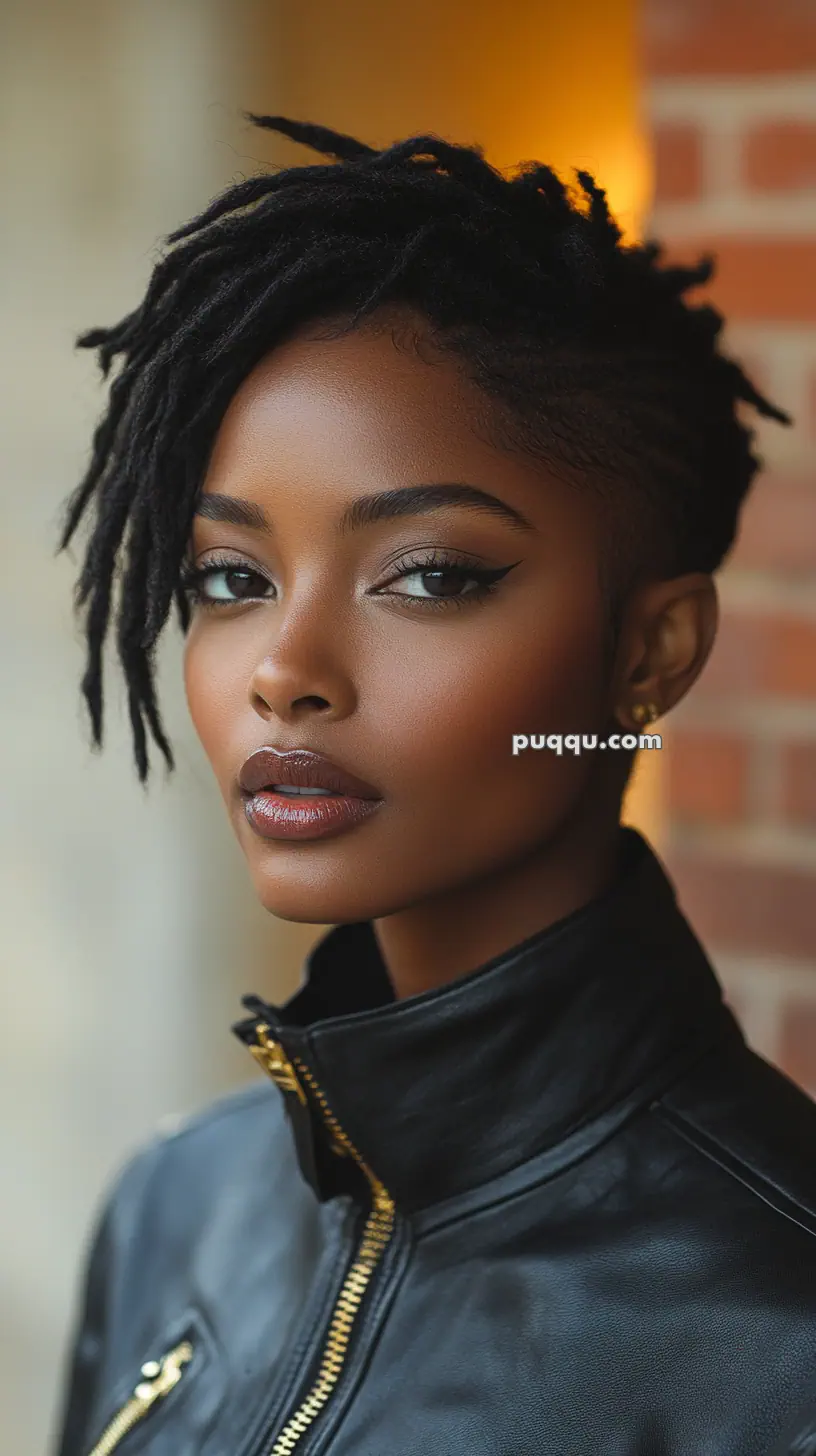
(557, 1207)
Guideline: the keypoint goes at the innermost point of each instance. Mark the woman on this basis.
(437, 472)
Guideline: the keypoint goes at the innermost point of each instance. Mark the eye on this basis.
(446, 582)
(237, 582)
(441, 582)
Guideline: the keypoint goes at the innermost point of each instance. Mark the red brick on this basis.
(736, 664)
(706, 776)
(761, 654)
(754, 909)
(757, 279)
(755, 654)
(798, 789)
(778, 525)
(790, 663)
(678, 163)
(780, 157)
(797, 1041)
(728, 37)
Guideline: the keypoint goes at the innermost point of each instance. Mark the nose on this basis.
(304, 675)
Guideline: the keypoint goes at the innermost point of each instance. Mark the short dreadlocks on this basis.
(590, 357)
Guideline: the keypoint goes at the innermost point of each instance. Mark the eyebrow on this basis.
(384, 505)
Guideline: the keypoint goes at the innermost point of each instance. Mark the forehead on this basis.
(368, 394)
(378, 407)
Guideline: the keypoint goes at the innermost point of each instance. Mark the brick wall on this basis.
(731, 101)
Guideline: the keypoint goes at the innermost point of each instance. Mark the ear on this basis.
(667, 633)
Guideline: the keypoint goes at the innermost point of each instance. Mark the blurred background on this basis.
(129, 930)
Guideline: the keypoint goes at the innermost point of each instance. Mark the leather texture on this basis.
(605, 1232)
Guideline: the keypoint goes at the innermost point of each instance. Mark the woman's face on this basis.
(335, 641)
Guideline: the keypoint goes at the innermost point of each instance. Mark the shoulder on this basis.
(232, 1141)
(754, 1128)
(244, 1112)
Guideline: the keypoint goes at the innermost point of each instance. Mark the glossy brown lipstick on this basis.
(331, 799)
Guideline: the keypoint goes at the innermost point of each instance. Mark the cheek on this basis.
(214, 680)
(458, 702)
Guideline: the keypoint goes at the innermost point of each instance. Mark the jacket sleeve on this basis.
(100, 1297)
(87, 1343)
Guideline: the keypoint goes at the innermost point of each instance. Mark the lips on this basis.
(301, 768)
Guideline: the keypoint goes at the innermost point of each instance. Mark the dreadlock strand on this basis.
(319, 138)
(243, 195)
(599, 215)
(134, 654)
(537, 180)
(96, 623)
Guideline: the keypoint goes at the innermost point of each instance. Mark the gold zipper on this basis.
(272, 1058)
(160, 1377)
(376, 1234)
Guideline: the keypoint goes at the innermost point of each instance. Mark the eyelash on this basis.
(192, 580)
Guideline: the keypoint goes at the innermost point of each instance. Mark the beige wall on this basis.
(126, 918)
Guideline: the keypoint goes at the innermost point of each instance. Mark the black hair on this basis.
(592, 360)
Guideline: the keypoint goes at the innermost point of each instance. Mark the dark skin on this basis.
(332, 645)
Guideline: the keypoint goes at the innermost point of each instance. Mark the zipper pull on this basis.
(270, 1055)
(315, 1131)
(160, 1377)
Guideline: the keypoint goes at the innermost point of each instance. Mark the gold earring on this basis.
(644, 712)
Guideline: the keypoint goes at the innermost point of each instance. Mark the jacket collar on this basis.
(446, 1090)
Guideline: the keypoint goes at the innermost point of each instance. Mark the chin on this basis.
(308, 901)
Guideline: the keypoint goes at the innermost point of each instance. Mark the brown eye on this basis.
(223, 584)
(239, 582)
(444, 582)
(435, 582)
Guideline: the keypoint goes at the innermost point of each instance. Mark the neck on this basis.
(442, 938)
